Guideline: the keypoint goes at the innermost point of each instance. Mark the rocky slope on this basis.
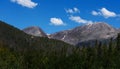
(90, 32)
(35, 31)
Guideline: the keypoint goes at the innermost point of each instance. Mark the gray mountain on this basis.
(90, 32)
(35, 31)
(118, 30)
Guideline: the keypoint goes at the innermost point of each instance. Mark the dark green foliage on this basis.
(21, 51)
(118, 42)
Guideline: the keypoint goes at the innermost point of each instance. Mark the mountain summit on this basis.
(35, 31)
(96, 31)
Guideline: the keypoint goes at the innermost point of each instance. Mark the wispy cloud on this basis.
(105, 13)
(78, 19)
(57, 21)
(72, 10)
(25, 3)
(95, 13)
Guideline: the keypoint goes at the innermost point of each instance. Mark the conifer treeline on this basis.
(100, 56)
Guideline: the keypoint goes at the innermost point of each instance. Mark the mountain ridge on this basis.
(96, 31)
(81, 34)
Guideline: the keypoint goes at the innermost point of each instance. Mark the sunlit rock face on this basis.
(95, 31)
(35, 31)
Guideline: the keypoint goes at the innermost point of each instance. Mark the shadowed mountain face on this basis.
(35, 31)
(13, 37)
(96, 31)
(16, 39)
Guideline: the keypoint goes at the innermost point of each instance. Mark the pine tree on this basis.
(99, 49)
(110, 46)
(118, 42)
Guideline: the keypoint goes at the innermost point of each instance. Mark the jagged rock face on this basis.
(35, 31)
(96, 31)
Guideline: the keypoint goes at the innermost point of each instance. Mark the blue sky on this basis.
(56, 15)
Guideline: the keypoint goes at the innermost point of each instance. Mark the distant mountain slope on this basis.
(96, 31)
(13, 36)
(18, 40)
(35, 31)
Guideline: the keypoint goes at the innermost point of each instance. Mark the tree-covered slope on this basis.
(21, 51)
(19, 40)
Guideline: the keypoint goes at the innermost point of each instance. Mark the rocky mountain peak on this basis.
(35, 31)
(98, 25)
(95, 31)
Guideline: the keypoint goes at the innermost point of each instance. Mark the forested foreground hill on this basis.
(21, 51)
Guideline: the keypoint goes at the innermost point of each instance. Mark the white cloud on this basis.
(56, 21)
(95, 13)
(73, 10)
(105, 13)
(25, 3)
(69, 11)
(78, 19)
(76, 9)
